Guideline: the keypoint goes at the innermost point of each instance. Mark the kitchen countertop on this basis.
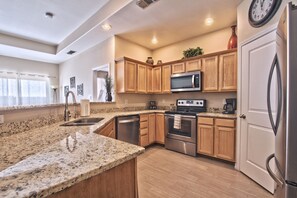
(218, 115)
(43, 161)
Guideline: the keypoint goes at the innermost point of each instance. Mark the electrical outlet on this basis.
(1, 119)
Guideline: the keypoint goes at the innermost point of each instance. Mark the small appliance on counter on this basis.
(152, 105)
(230, 106)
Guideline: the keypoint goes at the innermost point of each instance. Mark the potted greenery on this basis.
(108, 87)
(191, 52)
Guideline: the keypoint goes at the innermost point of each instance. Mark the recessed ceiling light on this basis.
(106, 26)
(49, 15)
(209, 21)
(154, 40)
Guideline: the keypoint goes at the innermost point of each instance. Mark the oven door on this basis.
(186, 133)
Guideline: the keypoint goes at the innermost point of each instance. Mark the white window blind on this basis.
(24, 90)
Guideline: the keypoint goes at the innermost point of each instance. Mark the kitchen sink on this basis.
(83, 122)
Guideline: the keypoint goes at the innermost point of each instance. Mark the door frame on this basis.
(239, 85)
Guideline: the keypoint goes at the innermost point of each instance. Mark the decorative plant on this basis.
(191, 52)
(108, 83)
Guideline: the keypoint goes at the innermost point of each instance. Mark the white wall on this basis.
(131, 50)
(245, 30)
(211, 42)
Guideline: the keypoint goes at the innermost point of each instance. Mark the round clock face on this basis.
(261, 11)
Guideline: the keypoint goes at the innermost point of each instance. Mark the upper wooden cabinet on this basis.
(166, 74)
(141, 79)
(178, 68)
(210, 68)
(220, 73)
(157, 76)
(126, 77)
(193, 65)
(228, 72)
(149, 79)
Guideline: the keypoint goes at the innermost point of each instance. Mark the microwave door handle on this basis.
(193, 81)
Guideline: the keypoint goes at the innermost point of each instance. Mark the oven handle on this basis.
(183, 116)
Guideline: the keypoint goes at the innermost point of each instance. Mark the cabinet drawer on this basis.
(204, 120)
(144, 131)
(225, 122)
(143, 125)
(143, 117)
(144, 140)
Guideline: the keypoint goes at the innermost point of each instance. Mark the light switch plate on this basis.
(1, 119)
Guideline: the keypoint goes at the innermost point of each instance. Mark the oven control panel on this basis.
(192, 103)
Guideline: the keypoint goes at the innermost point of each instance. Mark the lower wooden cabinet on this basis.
(160, 128)
(108, 130)
(216, 137)
(151, 128)
(147, 129)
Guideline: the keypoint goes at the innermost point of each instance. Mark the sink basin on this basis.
(83, 122)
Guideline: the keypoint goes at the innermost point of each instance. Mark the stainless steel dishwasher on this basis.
(128, 129)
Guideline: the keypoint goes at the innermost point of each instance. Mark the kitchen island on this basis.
(52, 160)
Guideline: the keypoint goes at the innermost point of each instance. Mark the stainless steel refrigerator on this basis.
(284, 121)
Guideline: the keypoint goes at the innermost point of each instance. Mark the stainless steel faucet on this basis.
(67, 114)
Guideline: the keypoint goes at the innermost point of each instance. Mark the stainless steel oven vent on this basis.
(145, 3)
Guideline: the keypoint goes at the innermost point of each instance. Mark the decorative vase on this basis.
(150, 60)
(108, 97)
(233, 39)
(159, 62)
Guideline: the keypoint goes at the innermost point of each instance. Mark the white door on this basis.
(257, 137)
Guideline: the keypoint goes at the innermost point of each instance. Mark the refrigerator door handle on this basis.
(271, 173)
(275, 64)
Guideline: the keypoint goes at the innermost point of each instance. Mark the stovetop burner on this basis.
(189, 107)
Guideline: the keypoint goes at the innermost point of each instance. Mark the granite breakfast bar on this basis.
(53, 159)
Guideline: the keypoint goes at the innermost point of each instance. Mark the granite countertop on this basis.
(217, 115)
(43, 161)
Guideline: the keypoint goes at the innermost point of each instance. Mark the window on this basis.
(23, 90)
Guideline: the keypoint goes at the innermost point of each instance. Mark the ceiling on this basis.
(25, 32)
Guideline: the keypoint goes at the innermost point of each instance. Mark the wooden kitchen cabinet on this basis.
(178, 68)
(126, 76)
(205, 136)
(193, 65)
(152, 128)
(228, 72)
(143, 130)
(225, 139)
(141, 79)
(157, 76)
(160, 128)
(149, 79)
(210, 68)
(166, 75)
(108, 130)
(216, 137)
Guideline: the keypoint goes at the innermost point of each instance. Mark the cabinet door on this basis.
(157, 86)
(108, 130)
(130, 76)
(225, 143)
(160, 129)
(152, 128)
(205, 139)
(193, 65)
(210, 74)
(144, 140)
(178, 68)
(228, 72)
(166, 74)
(149, 79)
(141, 78)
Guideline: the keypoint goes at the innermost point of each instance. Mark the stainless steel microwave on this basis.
(186, 82)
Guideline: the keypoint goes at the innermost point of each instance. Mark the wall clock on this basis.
(261, 11)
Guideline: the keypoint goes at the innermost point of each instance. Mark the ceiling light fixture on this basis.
(209, 21)
(154, 40)
(49, 15)
(106, 26)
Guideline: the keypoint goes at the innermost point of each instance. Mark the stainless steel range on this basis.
(181, 126)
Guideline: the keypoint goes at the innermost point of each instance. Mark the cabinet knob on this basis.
(242, 116)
